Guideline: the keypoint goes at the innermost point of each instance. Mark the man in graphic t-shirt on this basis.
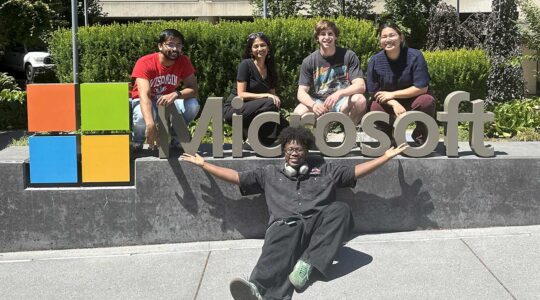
(158, 80)
(330, 78)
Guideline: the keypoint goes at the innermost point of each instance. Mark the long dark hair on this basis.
(269, 61)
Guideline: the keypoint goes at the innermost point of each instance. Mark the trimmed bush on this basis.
(12, 104)
(453, 70)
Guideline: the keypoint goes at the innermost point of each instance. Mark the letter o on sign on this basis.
(400, 126)
(350, 134)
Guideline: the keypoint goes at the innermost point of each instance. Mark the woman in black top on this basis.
(256, 83)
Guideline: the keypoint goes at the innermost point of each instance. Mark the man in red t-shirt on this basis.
(158, 77)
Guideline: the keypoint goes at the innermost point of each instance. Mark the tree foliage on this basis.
(474, 31)
(278, 8)
(360, 9)
(62, 9)
(505, 80)
(29, 22)
(444, 28)
(23, 21)
(529, 25)
(412, 14)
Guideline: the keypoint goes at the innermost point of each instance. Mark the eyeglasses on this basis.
(295, 150)
(390, 36)
(255, 35)
(173, 45)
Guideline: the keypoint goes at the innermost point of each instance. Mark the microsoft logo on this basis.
(76, 139)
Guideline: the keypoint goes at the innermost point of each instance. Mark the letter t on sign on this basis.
(452, 117)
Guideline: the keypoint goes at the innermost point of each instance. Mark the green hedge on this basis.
(108, 53)
(12, 109)
(12, 104)
(458, 70)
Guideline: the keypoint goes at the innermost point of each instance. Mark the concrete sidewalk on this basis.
(487, 263)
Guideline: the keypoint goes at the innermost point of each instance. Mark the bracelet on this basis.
(178, 94)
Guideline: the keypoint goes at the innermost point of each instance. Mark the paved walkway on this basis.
(488, 263)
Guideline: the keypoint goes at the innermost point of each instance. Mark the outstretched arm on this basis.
(370, 166)
(226, 174)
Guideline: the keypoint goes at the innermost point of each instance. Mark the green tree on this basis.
(444, 28)
(323, 8)
(412, 14)
(505, 80)
(474, 31)
(360, 9)
(24, 21)
(278, 8)
(62, 9)
(529, 25)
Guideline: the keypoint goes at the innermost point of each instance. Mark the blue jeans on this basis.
(188, 108)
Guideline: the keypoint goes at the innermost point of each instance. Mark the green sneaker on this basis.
(300, 274)
(242, 289)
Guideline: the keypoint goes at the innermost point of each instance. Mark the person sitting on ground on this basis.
(398, 80)
(158, 77)
(307, 225)
(330, 78)
(256, 83)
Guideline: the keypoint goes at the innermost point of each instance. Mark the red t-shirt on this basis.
(163, 80)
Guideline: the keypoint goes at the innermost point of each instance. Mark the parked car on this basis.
(25, 59)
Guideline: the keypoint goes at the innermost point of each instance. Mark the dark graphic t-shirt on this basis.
(325, 75)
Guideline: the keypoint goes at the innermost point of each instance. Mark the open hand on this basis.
(392, 152)
(277, 101)
(194, 159)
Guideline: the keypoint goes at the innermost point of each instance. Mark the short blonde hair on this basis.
(325, 25)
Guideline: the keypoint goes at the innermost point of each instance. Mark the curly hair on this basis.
(299, 134)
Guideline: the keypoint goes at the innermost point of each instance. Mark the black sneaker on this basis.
(242, 289)
(137, 147)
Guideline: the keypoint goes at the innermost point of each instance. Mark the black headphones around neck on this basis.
(292, 172)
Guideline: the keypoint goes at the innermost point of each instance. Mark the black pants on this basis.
(269, 132)
(424, 103)
(315, 240)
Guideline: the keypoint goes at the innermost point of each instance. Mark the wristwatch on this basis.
(178, 94)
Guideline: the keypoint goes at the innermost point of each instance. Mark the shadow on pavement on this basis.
(347, 261)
